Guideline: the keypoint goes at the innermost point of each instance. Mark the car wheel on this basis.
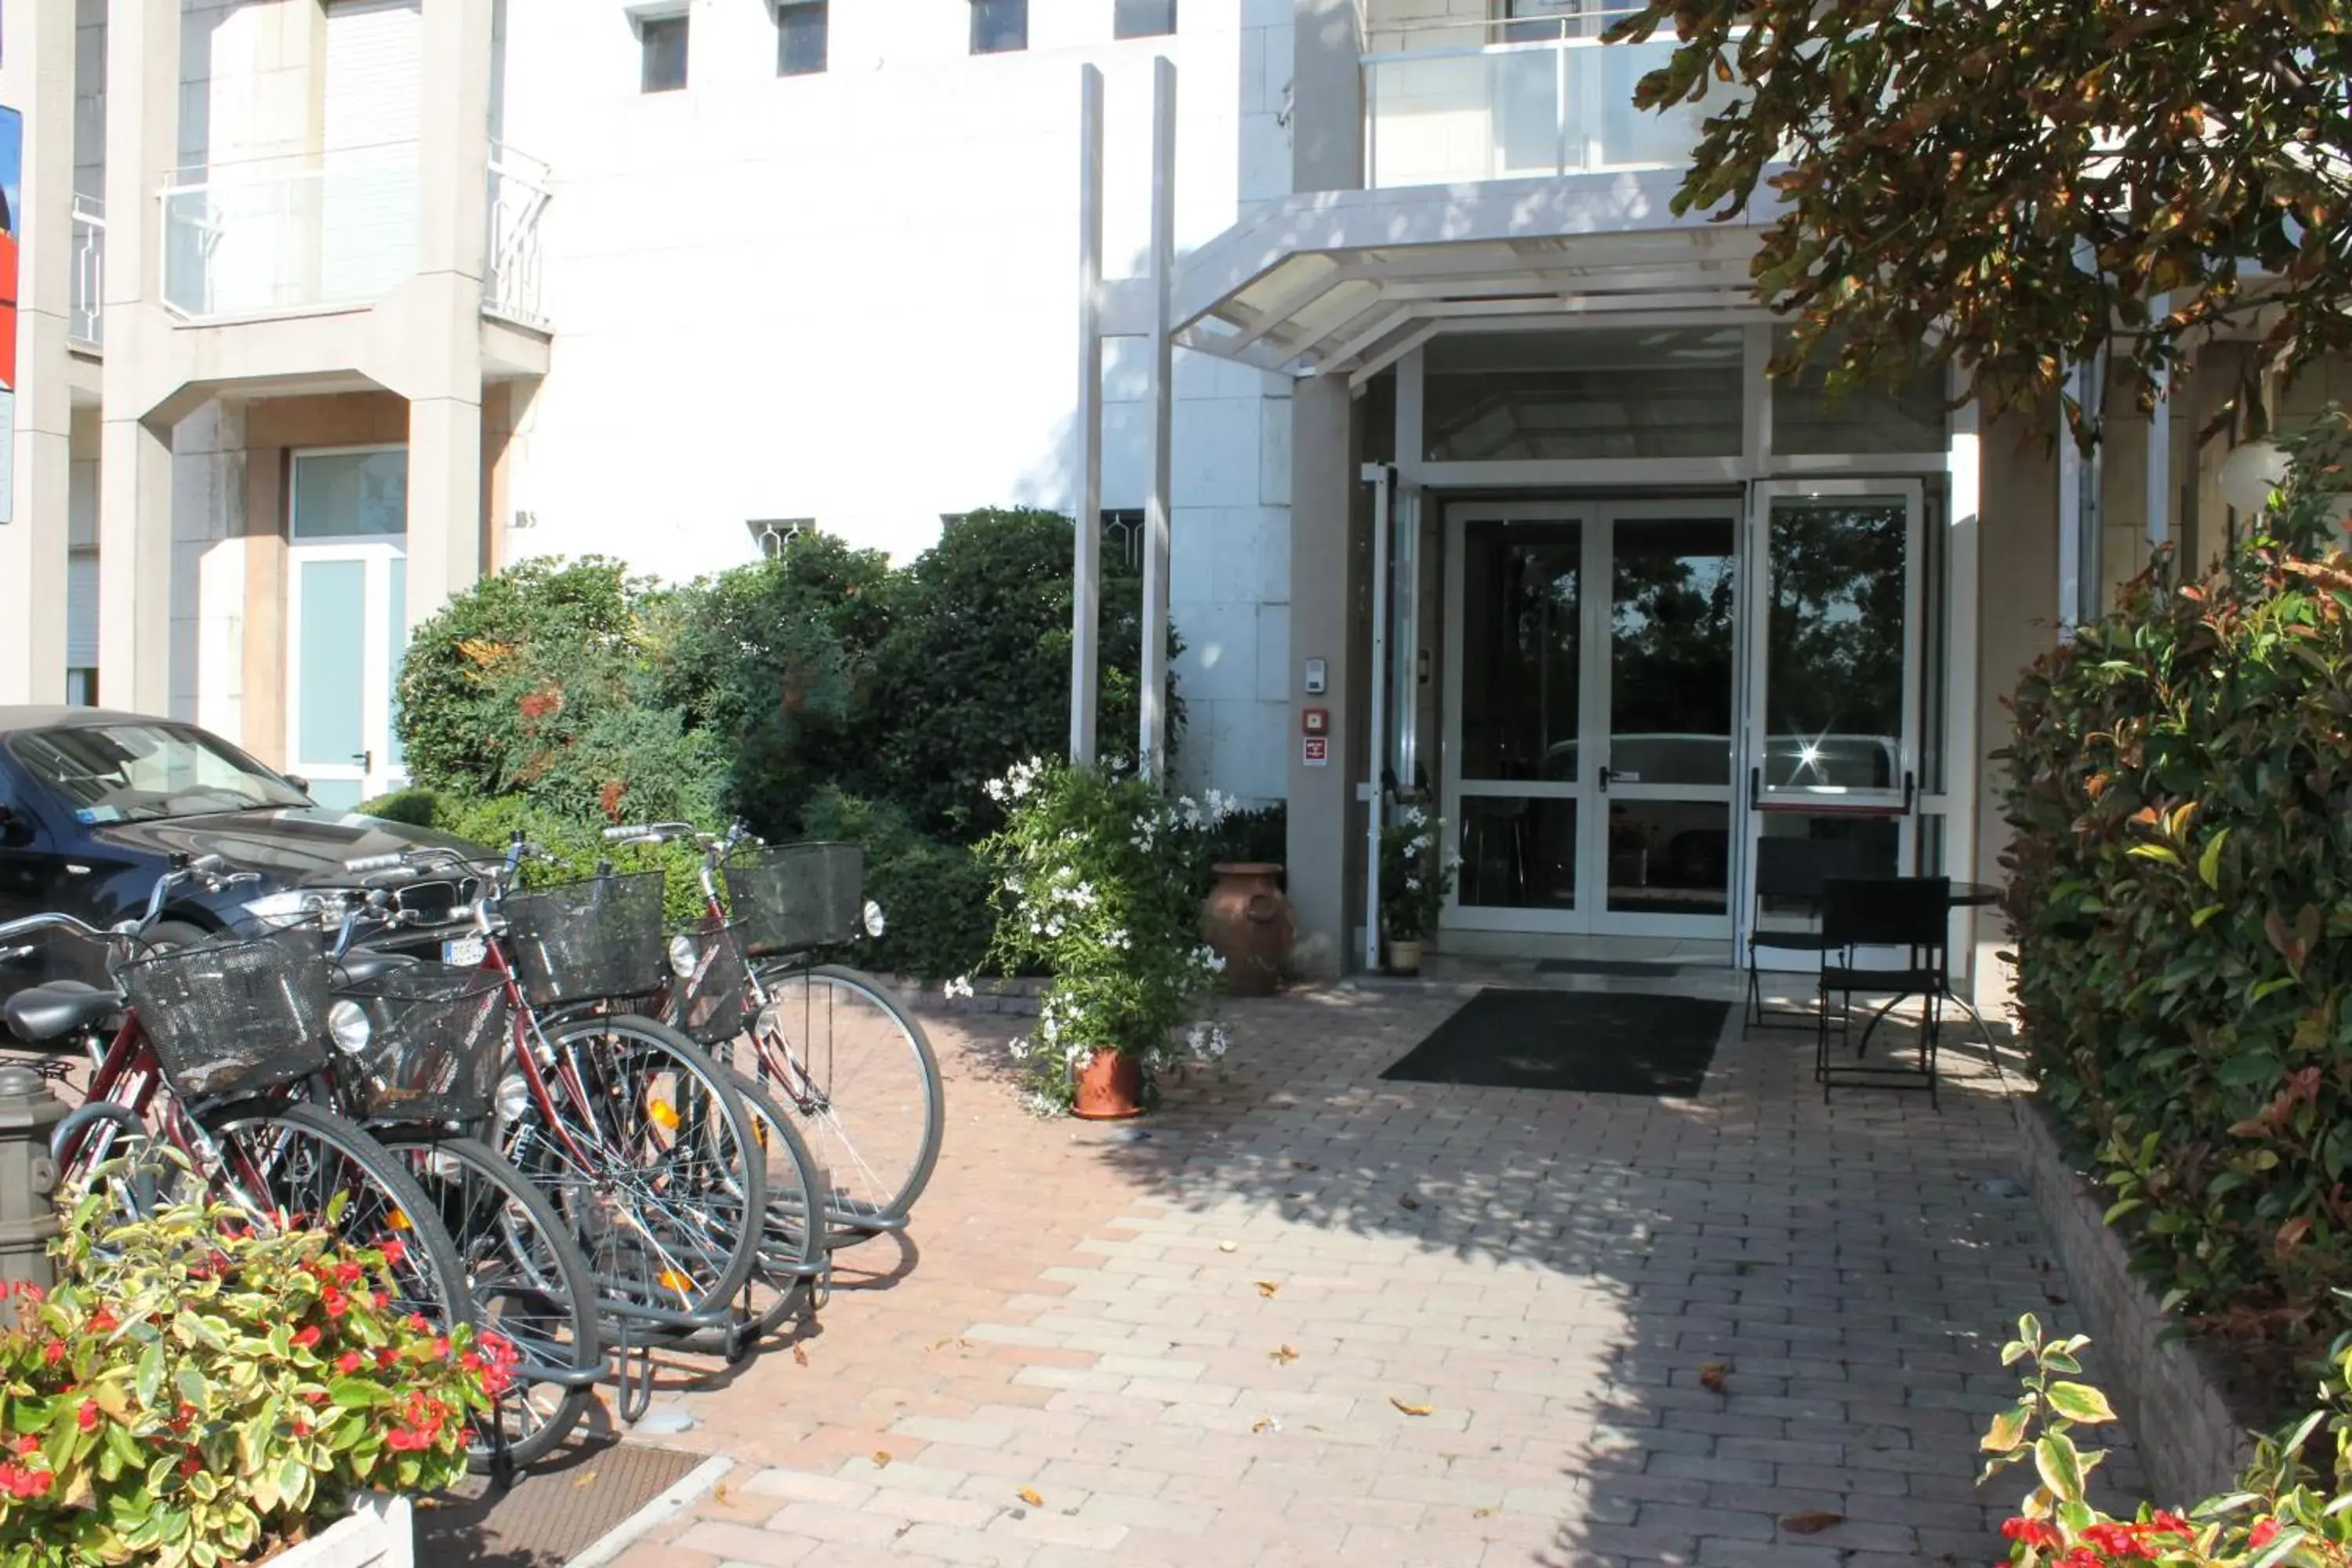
(165, 935)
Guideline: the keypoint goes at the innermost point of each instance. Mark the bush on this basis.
(197, 1391)
(934, 895)
(2181, 892)
(578, 849)
(1261, 834)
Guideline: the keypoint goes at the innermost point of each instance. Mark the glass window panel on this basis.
(350, 495)
(999, 26)
(1835, 646)
(1670, 650)
(661, 41)
(802, 29)
(1535, 21)
(1521, 654)
(1669, 856)
(1604, 392)
(1142, 19)
(332, 646)
(1524, 88)
(1807, 420)
(1518, 852)
(396, 639)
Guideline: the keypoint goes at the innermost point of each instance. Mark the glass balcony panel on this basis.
(308, 239)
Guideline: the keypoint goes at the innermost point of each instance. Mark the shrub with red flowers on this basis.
(200, 1391)
(2283, 1514)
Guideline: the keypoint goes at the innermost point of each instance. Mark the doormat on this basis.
(553, 1512)
(1631, 968)
(1577, 1040)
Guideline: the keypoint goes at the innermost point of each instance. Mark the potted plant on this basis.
(1101, 876)
(1415, 876)
(198, 1389)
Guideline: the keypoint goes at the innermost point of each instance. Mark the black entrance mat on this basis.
(1632, 968)
(553, 1512)
(1586, 1041)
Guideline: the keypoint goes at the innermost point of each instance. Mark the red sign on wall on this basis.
(1315, 751)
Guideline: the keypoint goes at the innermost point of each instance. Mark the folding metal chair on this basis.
(1912, 916)
(1791, 870)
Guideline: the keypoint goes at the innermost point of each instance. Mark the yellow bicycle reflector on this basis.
(673, 1280)
(400, 1221)
(664, 1112)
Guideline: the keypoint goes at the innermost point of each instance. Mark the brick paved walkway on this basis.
(1313, 1317)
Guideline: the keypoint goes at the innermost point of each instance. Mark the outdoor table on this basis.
(1963, 895)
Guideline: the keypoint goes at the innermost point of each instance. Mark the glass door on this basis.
(1833, 711)
(347, 621)
(1662, 780)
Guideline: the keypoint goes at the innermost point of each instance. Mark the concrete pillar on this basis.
(446, 552)
(134, 526)
(1326, 823)
(37, 79)
(1327, 96)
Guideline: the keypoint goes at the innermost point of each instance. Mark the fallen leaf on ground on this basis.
(585, 1479)
(1408, 1409)
(880, 1459)
(1811, 1522)
(1407, 1201)
(1482, 1513)
(1268, 1286)
(1303, 1165)
(1710, 1376)
(935, 1345)
(1266, 1424)
(799, 1355)
(1229, 1247)
(1283, 1354)
(1029, 1495)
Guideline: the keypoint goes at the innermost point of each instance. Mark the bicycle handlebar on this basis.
(651, 833)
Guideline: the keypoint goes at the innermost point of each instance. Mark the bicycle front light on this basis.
(290, 906)
(683, 955)
(347, 1021)
(873, 918)
(514, 1098)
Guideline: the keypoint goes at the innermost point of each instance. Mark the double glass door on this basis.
(347, 618)
(1593, 669)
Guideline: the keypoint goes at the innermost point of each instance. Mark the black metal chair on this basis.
(1792, 870)
(1912, 916)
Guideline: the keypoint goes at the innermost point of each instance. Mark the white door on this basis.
(367, 206)
(347, 615)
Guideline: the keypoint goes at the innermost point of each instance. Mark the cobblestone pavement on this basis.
(1315, 1318)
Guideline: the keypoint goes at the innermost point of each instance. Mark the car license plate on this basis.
(462, 953)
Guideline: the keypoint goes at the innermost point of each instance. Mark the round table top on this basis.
(1965, 894)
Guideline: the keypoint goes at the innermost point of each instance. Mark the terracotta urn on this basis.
(1248, 922)
(1110, 1087)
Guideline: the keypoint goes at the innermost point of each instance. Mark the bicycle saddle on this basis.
(362, 964)
(58, 1008)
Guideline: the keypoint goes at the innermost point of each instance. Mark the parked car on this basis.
(94, 805)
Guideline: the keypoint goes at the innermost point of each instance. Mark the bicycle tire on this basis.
(877, 1175)
(679, 1245)
(794, 1239)
(526, 1278)
(429, 1275)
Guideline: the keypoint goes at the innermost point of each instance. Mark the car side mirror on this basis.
(15, 829)
(297, 781)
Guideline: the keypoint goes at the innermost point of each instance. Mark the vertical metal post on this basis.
(2160, 448)
(1383, 479)
(1085, 587)
(1404, 638)
(1153, 743)
(1559, 102)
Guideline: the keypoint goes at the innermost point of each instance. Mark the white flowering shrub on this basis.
(1415, 874)
(1100, 878)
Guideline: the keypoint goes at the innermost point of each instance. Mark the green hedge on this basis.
(2181, 890)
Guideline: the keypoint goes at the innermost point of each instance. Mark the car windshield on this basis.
(138, 772)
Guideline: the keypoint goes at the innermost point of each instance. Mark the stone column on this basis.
(1325, 850)
(37, 79)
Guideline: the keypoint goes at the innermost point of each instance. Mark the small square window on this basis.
(661, 41)
(999, 26)
(802, 26)
(1142, 19)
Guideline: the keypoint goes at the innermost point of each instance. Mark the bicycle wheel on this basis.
(647, 1152)
(855, 1068)
(793, 1239)
(307, 1163)
(527, 1279)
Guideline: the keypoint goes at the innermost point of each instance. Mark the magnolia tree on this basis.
(2012, 186)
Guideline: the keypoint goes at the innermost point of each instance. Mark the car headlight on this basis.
(289, 907)
(684, 954)
(514, 1098)
(347, 1021)
(873, 918)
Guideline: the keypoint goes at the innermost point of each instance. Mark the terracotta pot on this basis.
(1248, 923)
(1110, 1087)
(1404, 957)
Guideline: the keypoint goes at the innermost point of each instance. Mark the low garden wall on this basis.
(2187, 1418)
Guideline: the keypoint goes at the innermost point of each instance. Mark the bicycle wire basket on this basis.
(588, 941)
(711, 1003)
(798, 896)
(234, 1016)
(437, 1041)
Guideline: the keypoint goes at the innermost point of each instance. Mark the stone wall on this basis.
(2189, 1425)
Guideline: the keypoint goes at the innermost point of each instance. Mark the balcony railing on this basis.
(1523, 107)
(339, 233)
(86, 314)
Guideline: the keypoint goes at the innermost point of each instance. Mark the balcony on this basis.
(86, 310)
(1548, 98)
(336, 234)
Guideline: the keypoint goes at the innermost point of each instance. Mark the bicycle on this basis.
(199, 1046)
(827, 1041)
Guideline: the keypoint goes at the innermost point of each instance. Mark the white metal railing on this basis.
(86, 313)
(1550, 98)
(519, 196)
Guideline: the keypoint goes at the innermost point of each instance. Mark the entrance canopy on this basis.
(1332, 282)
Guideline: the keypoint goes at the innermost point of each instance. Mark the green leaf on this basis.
(2007, 1431)
(2080, 1402)
(149, 1382)
(2208, 864)
(2060, 1465)
(2155, 852)
(358, 1394)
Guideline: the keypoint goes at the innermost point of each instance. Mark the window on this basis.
(662, 40)
(999, 26)
(801, 29)
(1142, 19)
(1535, 21)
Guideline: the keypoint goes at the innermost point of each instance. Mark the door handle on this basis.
(1910, 787)
(366, 761)
(1600, 777)
(1756, 786)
